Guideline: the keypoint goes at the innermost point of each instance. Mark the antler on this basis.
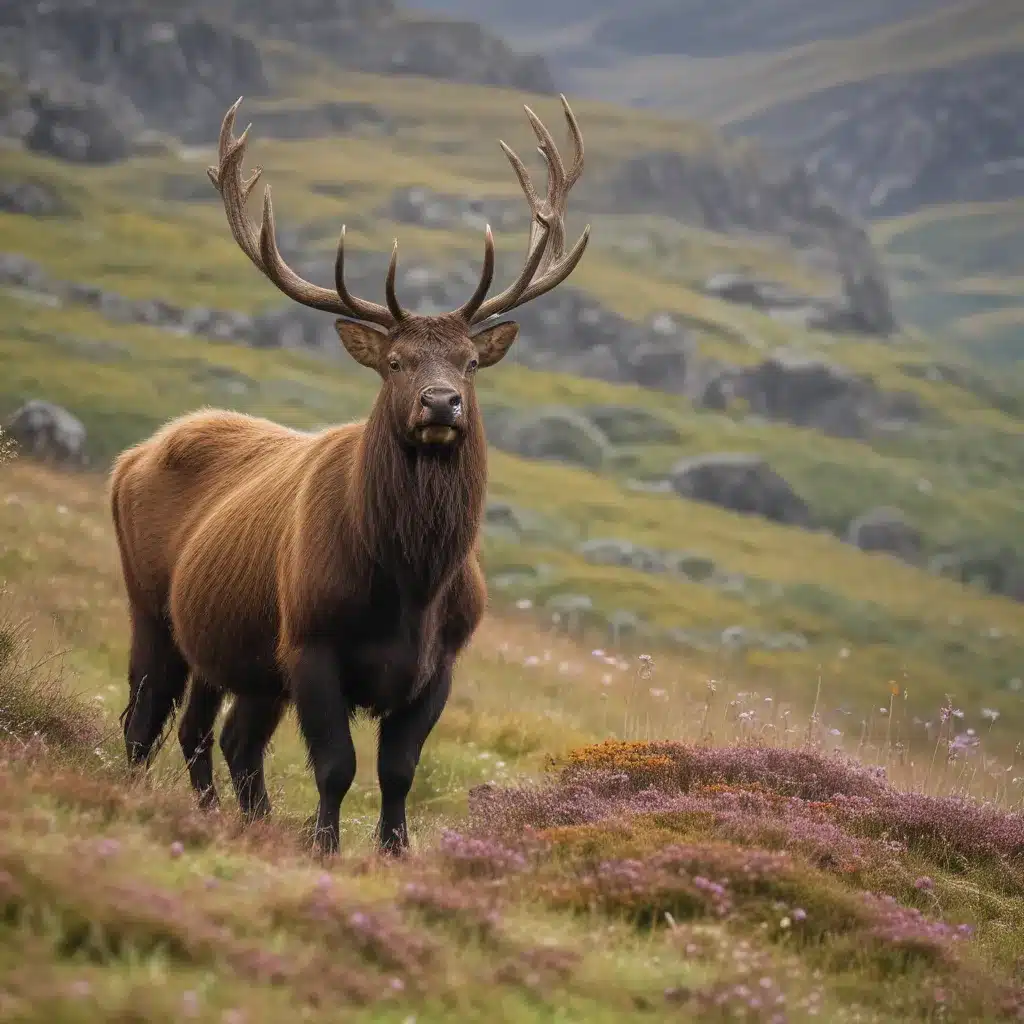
(261, 246)
(547, 262)
(546, 265)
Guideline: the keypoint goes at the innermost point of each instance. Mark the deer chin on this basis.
(436, 435)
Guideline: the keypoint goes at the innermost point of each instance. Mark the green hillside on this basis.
(960, 273)
(637, 803)
(124, 235)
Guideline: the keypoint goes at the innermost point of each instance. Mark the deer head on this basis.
(427, 363)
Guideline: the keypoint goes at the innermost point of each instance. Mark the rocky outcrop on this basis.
(47, 431)
(736, 193)
(32, 198)
(178, 66)
(81, 124)
(457, 51)
(554, 433)
(740, 482)
(898, 142)
(887, 530)
(998, 569)
(566, 330)
(812, 392)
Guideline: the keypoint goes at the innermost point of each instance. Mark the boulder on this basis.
(888, 530)
(622, 553)
(697, 568)
(31, 198)
(731, 192)
(812, 392)
(555, 433)
(628, 424)
(740, 482)
(997, 569)
(752, 291)
(48, 431)
(81, 124)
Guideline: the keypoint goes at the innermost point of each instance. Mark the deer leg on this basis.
(157, 676)
(195, 734)
(402, 735)
(324, 720)
(243, 741)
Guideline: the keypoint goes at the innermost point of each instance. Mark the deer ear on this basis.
(362, 343)
(494, 342)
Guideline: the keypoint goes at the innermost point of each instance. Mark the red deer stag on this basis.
(338, 570)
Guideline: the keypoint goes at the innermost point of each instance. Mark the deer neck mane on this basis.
(420, 511)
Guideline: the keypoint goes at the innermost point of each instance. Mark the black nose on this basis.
(443, 404)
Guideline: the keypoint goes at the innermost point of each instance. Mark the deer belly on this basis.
(383, 676)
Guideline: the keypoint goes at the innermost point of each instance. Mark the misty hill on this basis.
(896, 105)
(895, 110)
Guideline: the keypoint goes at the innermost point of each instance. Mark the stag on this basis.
(335, 571)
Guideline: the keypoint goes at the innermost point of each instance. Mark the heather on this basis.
(733, 871)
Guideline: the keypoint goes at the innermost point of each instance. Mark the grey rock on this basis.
(888, 530)
(622, 553)
(894, 143)
(32, 198)
(813, 392)
(999, 569)
(554, 433)
(752, 291)
(373, 35)
(48, 431)
(628, 424)
(741, 482)
(737, 194)
(20, 272)
(92, 64)
(79, 124)
(698, 568)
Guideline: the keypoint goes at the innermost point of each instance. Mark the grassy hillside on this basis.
(959, 480)
(715, 880)
(636, 881)
(960, 272)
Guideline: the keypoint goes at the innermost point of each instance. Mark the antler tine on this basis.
(261, 246)
(394, 305)
(577, 142)
(546, 249)
(472, 304)
(361, 309)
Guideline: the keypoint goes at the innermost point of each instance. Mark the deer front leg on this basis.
(402, 735)
(323, 714)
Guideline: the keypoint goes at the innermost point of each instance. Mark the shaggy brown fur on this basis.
(337, 570)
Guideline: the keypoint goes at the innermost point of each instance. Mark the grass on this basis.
(969, 285)
(623, 880)
(122, 902)
(960, 478)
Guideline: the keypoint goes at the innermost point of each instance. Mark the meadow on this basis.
(607, 822)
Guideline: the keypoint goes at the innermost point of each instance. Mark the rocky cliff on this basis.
(81, 79)
(895, 143)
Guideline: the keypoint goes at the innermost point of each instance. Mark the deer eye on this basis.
(472, 365)
(394, 364)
